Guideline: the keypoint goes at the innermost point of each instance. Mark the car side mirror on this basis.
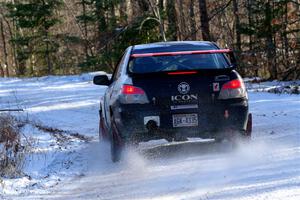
(101, 80)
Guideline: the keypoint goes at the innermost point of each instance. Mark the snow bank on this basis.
(63, 110)
(276, 87)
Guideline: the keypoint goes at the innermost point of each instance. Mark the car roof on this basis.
(173, 46)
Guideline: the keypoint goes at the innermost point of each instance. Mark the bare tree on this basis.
(172, 20)
(270, 46)
(192, 20)
(154, 5)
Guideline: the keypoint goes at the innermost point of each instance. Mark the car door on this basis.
(111, 92)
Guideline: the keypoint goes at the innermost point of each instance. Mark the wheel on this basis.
(116, 146)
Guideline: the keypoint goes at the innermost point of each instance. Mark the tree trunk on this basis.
(136, 8)
(162, 23)
(284, 35)
(48, 60)
(86, 45)
(182, 25)
(1, 67)
(204, 20)
(113, 20)
(172, 20)
(13, 31)
(2, 72)
(238, 45)
(123, 10)
(101, 25)
(237, 25)
(161, 26)
(270, 46)
(192, 21)
(250, 21)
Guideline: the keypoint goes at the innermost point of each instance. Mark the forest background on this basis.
(55, 37)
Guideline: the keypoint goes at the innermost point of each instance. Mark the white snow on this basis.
(64, 166)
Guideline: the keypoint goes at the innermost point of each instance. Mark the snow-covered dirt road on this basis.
(268, 168)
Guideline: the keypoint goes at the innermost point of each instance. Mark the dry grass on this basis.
(11, 150)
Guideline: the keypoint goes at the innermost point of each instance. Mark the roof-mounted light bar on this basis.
(181, 53)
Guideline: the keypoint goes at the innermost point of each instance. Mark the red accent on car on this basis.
(181, 53)
(226, 114)
(129, 89)
(234, 84)
(182, 73)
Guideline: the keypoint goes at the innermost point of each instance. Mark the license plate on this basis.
(185, 120)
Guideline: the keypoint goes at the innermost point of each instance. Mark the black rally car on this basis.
(173, 90)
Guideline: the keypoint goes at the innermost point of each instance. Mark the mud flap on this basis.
(103, 133)
(116, 143)
(249, 125)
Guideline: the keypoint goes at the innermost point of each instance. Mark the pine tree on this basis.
(86, 19)
(33, 20)
(265, 26)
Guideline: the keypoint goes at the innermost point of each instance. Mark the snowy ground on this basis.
(67, 162)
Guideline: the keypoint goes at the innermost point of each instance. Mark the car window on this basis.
(178, 62)
(118, 69)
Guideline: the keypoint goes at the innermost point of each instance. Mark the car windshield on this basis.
(152, 64)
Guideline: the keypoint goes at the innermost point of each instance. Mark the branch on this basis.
(295, 2)
(156, 14)
(219, 10)
(148, 19)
